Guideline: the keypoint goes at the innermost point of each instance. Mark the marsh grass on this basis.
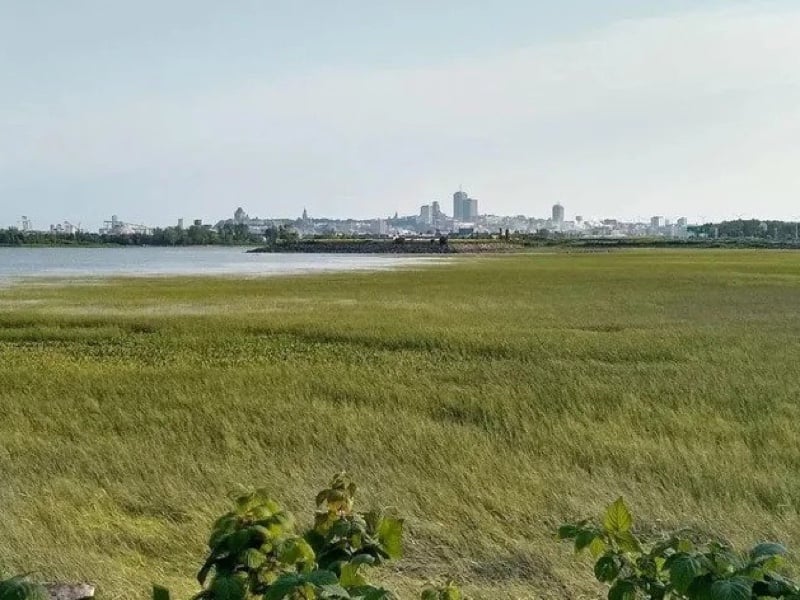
(489, 399)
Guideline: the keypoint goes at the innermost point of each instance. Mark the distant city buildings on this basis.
(558, 214)
(465, 209)
(254, 225)
(430, 221)
(65, 228)
(117, 227)
(425, 215)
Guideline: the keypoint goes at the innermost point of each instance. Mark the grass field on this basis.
(488, 399)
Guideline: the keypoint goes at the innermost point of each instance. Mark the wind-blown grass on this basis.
(488, 399)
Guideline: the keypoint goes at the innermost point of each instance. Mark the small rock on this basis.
(69, 591)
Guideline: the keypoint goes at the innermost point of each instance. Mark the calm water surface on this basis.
(22, 263)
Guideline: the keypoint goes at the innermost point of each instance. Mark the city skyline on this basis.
(625, 110)
(464, 211)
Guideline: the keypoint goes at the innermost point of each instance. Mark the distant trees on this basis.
(196, 235)
(749, 229)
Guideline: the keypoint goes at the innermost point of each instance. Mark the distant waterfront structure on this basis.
(425, 214)
(558, 214)
(26, 224)
(253, 224)
(657, 222)
(464, 207)
(65, 228)
(683, 222)
(117, 227)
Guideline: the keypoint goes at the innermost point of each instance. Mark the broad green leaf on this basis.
(334, 590)
(584, 538)
(451, 593)
(160, 593)
(390, 535)
(736, 588)
(597, 546)
(240, 540)
(617, 518)
(701, 587)
(362, 559)
(321, 577)
(724, 559)
(567, 531)
(229, 588)
(622, 590)
(627, 542)
(607, 568)
(683, 569)
(350, 577)
(766, 551)
(283, 586)
(252, 558)
(294, 551)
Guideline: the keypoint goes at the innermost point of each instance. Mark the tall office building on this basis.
(558, 213)
(472, 209)
(426, 214)
(464, 207)
(460, 201)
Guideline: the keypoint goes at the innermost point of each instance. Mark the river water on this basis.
(23, 263)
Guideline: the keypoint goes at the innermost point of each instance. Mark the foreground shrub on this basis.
(255, 551)
(676, 568)
(21, 588)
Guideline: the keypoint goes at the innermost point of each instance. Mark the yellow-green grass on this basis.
(487, 398)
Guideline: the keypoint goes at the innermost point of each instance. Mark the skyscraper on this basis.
(425, 214)
(464, 207)
(472, 209)
(460, 205)
(558, 213)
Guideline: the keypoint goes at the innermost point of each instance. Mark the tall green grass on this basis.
(489, 399)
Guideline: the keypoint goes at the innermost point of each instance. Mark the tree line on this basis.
(196, 235)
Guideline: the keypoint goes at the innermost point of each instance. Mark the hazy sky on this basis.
(160, 109)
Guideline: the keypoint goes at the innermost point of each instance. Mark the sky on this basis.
(156, 110)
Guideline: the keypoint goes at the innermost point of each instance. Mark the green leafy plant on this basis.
(22, 588)
(255, 551)
(676, 567)
(447, 591)
(345, 540)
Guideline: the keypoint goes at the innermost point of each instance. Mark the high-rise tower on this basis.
(460, 206)
(558, 214)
